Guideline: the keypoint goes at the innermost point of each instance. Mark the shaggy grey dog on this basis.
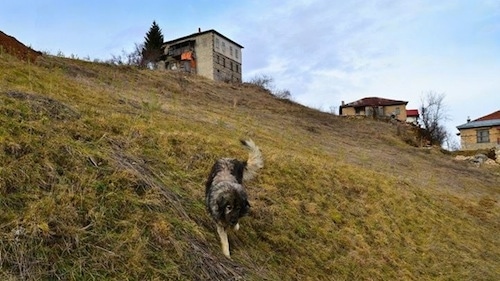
(225, 195)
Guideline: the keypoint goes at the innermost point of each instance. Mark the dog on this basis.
(225, 195)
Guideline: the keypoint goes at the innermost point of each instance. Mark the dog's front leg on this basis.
(223, 240)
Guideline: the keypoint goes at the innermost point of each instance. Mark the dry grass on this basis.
(103, 172)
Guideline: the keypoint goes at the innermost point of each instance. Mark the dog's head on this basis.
(233, 205)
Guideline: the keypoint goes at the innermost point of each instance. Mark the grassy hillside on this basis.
(103, 171)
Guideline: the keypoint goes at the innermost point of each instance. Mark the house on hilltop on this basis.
(208, 53)
(412, 116)
(375, 107)
(483, 132)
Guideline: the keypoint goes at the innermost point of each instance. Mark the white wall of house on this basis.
(412, 119)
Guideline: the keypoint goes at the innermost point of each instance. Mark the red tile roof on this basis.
(374, 101)
(412, 112)
(492, 116)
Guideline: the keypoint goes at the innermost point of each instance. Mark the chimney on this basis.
(199, 30)
(343, 103)
(468, 119)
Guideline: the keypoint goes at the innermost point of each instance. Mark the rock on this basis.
(478, 159)
(461, 158)
(490, 162)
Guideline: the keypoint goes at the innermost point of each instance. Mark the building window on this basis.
(231, 50)
(223, 62)
(223, 46)
(217, 43)
(236, 53)
(483, 136)
(231, 66)
(218, 59)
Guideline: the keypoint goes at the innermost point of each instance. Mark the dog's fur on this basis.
(225, 195)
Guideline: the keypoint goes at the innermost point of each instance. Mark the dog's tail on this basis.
(254, 162)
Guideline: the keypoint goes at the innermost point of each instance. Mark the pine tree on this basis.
(151, 52)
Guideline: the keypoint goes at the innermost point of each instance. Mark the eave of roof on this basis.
(196, 34)
(374, 101)
(479, 124)
(492, 116)
(412, 112)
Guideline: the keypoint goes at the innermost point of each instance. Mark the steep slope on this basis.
(103, 170)
(15, 48)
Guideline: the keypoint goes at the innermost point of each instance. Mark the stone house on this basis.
(208, 53)
(483, 132)
(375, 107)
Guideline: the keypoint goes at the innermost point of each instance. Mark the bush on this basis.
(262, 80)
(266, 82)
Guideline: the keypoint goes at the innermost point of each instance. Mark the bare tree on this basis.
(433, 114)
(333, 110)
(451, 143)
(282, 94)
(133, 58)
(266, 82)
(263, 80)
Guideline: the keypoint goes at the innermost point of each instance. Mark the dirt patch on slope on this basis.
(15, 48)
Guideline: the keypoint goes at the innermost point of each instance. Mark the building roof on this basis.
(492, 116)
(490, 120)
(412, 112)
(479, 124)
(374, 101)
(198, 34)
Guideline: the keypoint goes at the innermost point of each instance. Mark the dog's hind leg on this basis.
(223, 240)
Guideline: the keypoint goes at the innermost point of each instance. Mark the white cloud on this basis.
(328, 51)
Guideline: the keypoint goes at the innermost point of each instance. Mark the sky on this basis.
(322, 51)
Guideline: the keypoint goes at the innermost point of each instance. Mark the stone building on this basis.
(375, 107)
(483, 132)
(208, 53)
